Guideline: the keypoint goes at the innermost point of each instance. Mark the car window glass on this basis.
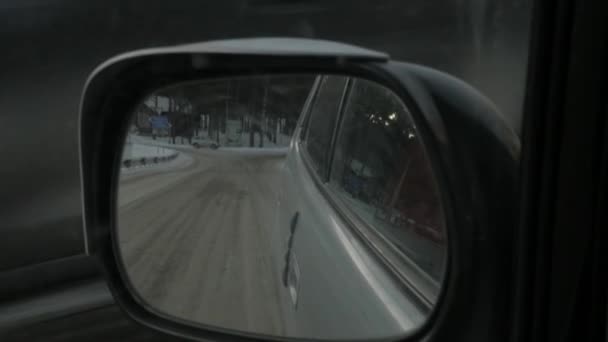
(380, 170)
(322, 120)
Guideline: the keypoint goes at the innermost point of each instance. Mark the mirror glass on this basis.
(300, 206)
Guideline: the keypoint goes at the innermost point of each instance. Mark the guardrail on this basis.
(143, 161)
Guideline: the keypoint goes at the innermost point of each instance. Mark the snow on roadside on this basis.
(279, 151)
(242, 141)
(140, 156)
(158, 142)
(138, 151)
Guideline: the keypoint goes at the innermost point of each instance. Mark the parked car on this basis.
(204, 143)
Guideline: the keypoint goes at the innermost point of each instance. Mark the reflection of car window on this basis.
(381, 172)
(322, 120)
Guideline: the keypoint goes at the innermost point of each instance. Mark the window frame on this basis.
(302, 127)
(303, 141)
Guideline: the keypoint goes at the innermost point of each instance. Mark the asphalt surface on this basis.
(196, 239)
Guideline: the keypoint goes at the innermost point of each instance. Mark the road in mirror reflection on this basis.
(221, 220)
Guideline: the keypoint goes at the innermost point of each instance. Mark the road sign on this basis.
(159, 121)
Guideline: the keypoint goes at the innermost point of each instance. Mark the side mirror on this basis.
(293, 189)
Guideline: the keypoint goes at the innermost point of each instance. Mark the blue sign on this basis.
(159, 121)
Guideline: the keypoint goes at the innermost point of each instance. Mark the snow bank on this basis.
(270, 151)
(136, 151)
(158, 142)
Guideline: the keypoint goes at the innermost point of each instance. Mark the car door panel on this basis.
(335, 268)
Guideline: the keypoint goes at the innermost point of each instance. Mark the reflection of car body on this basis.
(344, 244)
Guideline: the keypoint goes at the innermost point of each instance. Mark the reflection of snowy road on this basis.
(196, 239)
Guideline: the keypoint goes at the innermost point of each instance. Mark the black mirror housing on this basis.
(473, 151)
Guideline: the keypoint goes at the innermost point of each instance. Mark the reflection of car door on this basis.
(324, 264)
(304, 273)
(320, 124)
(287, 222)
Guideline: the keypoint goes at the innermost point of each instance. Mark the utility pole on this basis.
(264, 106)
(217, 125)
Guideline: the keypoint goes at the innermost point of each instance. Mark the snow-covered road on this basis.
(196, 239)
